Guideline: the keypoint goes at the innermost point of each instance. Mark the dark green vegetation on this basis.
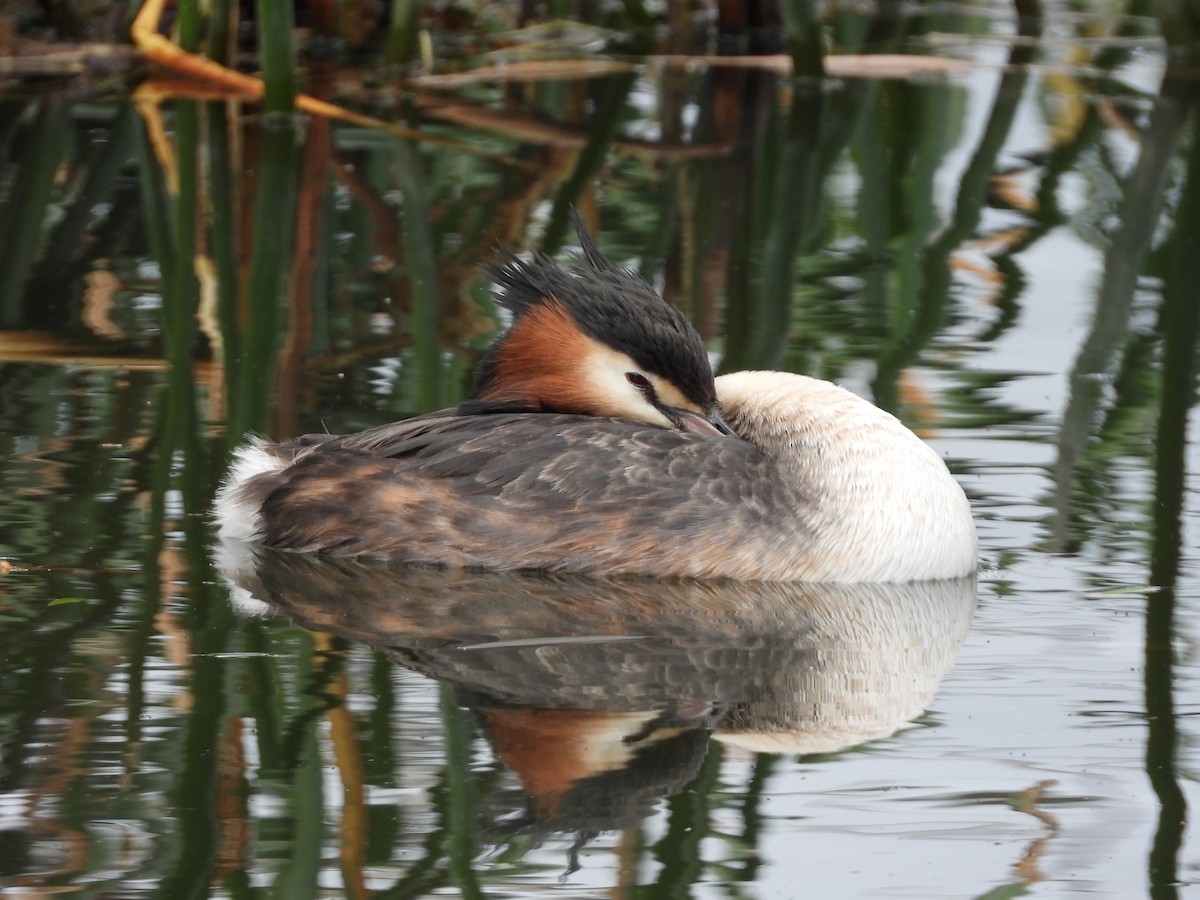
(178, 269)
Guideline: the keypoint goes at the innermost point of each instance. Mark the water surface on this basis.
(1003, 256)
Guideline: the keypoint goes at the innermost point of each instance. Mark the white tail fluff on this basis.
(237, 519)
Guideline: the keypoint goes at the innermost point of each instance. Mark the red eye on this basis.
(638, 380)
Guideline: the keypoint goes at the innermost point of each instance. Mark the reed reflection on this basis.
(601, 694)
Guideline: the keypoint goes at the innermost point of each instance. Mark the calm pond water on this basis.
(1003, 254)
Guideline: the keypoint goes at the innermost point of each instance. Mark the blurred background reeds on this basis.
(232, 218)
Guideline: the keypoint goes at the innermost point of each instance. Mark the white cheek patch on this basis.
(604, 371)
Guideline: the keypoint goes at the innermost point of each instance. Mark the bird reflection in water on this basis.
(601, 695)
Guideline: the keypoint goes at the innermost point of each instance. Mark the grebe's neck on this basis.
(535, 365)
(879, 497)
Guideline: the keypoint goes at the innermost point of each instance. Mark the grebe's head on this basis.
(596, 340)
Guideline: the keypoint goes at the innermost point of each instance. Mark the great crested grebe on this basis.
(592, 443)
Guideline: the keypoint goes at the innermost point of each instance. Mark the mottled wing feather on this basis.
(563, 493)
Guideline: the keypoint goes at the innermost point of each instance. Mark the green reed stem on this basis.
(108, 158)
(421, 265)
(224, 226)
(401, 45)
(179, 284)
(274, 213)
(679, 851)
(603, 129)
(47, 138)
(798, 175)
(299, 876)
(276, 22)
(804, 38)
(1179, 324)
(220, 31)
(461, 799)
(187, 25)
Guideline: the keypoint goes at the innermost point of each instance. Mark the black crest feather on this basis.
(612, 305)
